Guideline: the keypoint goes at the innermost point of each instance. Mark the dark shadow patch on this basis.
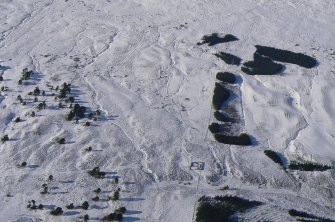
(229, 58)
(132, 212)
(129, 183)
(4, 68)
(60, 192)
(132, 199)
(222, 117)
(241, 140)
(226, 77)
(71, 213)
(67, 181)
(98, 207)
(49, 206)
(287, 56)
(130, 219)
(262, 66)
(215, 39)
(222, 208)
(33, 166)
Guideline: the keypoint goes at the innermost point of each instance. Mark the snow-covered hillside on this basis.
(139, 64)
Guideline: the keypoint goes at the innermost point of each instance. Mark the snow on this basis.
(138, 62)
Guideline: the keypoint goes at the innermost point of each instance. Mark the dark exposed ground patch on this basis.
(222, 208)
(287, 56)
(221, 94)
(215, 39)
(261, 66)
(229, 58)
(226, 77)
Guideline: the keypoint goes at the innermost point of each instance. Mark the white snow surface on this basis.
(134, 61)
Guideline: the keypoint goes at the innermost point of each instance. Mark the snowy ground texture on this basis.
(139, 63)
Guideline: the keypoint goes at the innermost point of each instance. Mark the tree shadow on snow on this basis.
(132, 212)
(132, 199)
(71, 213)
(130, 219)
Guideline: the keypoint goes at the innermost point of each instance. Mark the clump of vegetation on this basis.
(113, 217)
(309, 217)
(237, 203)
(57, 212)
(36, 91)
(241, 140)
(88, 149)
(116, 180)
(308, 166)
(22, 165)
(33, 206)
(229, 58)
(221, 94)
(226, 77)
(222, 208)
(274, 156)
(26, 74)
(287, 56)
(66, 89)
(97, 173)
(61, 140)
(77, 111)
(96, 198)
(116, 195)
(215, 128)
(85, 205)
(19, 97)
(86, 217)
(98, 190)
(45, 188)
(215, 39)
(261, 66)
(18, 119)
(42, 105)
(121, 210)
(70, 206)
(4, 138)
